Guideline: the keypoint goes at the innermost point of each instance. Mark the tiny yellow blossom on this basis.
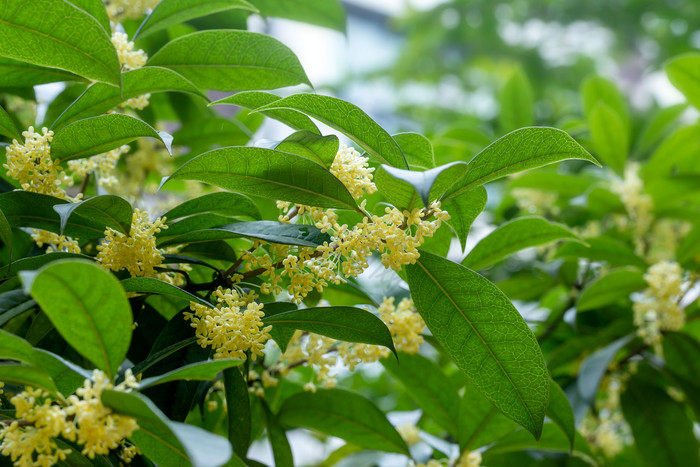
(128, 9)
(103, 164)
(128, 58)
(233, 327)
(55, 242)
(469, 459)
(410, 433)
(353, 171)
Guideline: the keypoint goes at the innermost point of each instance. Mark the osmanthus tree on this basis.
(175, 328)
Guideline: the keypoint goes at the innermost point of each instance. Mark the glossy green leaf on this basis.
(192, 223)
(254, 100)
(280, 334)
(344, 323)
(560, 411)
(681, 146)
(610, 139)
(109, 210)
(514, 236)
(343, 414)
(35, 262)
(350, 120)
(27, 209)
(100, 98)
(463, 210)
(662, 432)
(281, 449)
(152, 285)
(6, 234)
(597, 90)
(326, 13)
(22, 375)
(613, 251)
(304, 143)
(485, 335)
(200, 371)
(280, 232)
(426, 383)
(480, 423)
(63, 36)
(165, 442)
(417, 149)
(659, 126)
(423, 182)
(88, 307)
(527, 285)
(96, 9)
(682, 355)
(230, 60)
(162, 353)
(520, 150)
(96, 135)
(15, 348)
(610, 288)
(683, 72)
(238, 409)
(229, 204)
(171, 12)
(517, 103)
(13, 303)
(593, 368)
(15, 73)
(66, 375)
(269, 174)
(8, 127)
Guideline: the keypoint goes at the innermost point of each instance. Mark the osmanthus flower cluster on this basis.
(81, 418)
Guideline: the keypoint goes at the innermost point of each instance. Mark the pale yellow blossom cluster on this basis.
(658, 308)
(638, 204)
(55, 242)
(128, 9)
(147, 158)
(469, 459)
(608, 432)
(32, 166)
(130, 59)
(324, 353)
(103, 165)
(354, 171)
(233, 327)
(136, 252)
(535, 201)
(410, 433)
(81, 419)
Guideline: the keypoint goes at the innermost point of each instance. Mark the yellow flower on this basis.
(469, 459)
(128, 9)
(55, 242)
(409, 433)
(136, 252)
(103, 164)
(128, 58)
(233, 328)
(353, 171)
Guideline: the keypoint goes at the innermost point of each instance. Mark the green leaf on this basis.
(255, 100)
(424, 182)
(200, 371)
(151, 285)
(485, 335)
(304, 143)
(344, 323)
(269, 174)
(613, 251)
(682, 355)
(13, 303)
(281, 335)
(659, 126)
(96, 135)
(326, 13)
(280, 232)
(527, 285)
(27, 209)
(683, 73)
(610, 288)
(66, 375)
(417, 149)
(560, 411)
(161, 354)
(463, 210)
(547, 180)
(428, 386)
(238, 409)
(517, 102)
(8, 127)
(681, 146)
(229, 204)
(35, 262)
(96, 9)
(109, 210)
(171, 12)
(6, 234)
(514, 236)
(15, 348)
(229, 60)
(350, 120)
(343, 414)
(281, 449)
(593, 368)
(520, 150)
(22, 375)
(610, 139)
(88, 307)
(480, 423)
(662, 432)
(14, 73)
(596, 90)
(63, 37)
(165, 442)
(100, 98)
